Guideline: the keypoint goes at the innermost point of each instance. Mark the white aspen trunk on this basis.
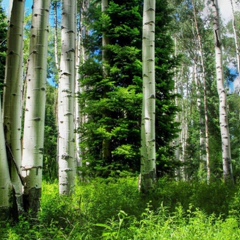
(77, 94)
(235, 36)
(82, 118)
(56, 58)
(66, 138)
(204, 80)
(33, 137)
(198, 85)
(183, 138)
(80, 59)
(10, 8)
(5, 182)
(12, 99)
(148, 140)
(223, 115)
(180, 118)
(56, 47)
(176, 141)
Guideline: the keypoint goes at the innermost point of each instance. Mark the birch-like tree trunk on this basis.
(148, 140)
(66, 138)
(77, 91)
(223, 115)
(186, 80)
(33, 138)
(12, 99)
(198, 85)
(80, 59)
(204, 81)
(56, 45)
(5, 182)
(176, 142)
(235, 36)
(10, 8)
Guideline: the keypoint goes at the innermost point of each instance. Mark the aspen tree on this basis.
(223, 115)
(176, 141)
(12, 99)
(204, 82)
(181, 118)
(77, 90)
(235, 36)
(148, 140)
(184, 91)
(66, 138)
(5, 182)
(56, 45)
(33, 137)
(80, 59)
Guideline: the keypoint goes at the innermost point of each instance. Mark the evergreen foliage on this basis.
(113, 104)
(50, 136)
(112, 207)
(192, 93)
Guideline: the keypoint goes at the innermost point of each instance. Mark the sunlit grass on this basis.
(114, 209)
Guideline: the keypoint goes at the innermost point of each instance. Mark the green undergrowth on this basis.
(114, 209)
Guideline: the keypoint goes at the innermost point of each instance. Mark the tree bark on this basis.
(148, 140)
(56, 45)
(223, 115)
(235, 36)
(77, 91)
(5, 182)
(80, 59)
(12, 103)
(66, 138)
(33, 137)
(204, 80)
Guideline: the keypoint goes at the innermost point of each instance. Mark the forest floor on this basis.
(114, 209)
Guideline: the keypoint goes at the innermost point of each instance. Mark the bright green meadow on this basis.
(114, 209)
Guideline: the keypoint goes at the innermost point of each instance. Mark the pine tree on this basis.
(113, 104)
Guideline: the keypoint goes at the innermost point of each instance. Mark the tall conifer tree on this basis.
(113, 104)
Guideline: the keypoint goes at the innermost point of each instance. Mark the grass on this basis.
(114, 209)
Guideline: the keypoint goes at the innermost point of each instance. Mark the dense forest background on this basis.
(88, 187)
